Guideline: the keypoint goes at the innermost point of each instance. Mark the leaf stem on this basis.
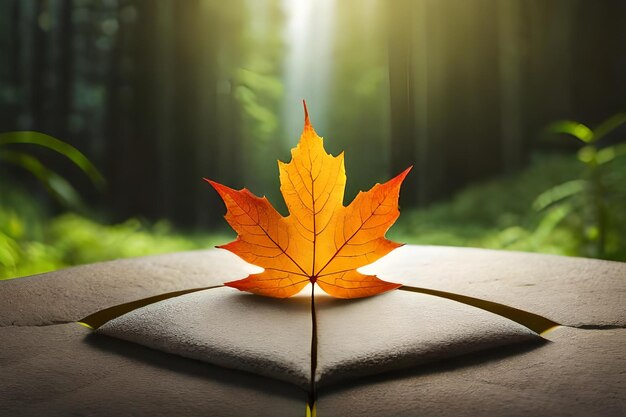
(312, 393)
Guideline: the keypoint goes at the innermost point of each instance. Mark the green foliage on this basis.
(81, 240)
(31, 243)
(498, 214)
(591, 202)
(562, 205)
(56, 185)
(23, 248)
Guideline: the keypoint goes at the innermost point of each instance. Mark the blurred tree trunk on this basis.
(512, 18)
(133, 114)
(402, 92)
(182, 125)
(165, 66)
(360, 78)
(140, 158)
(65, 68)
(118, 104)
(599, 54)
(550, 63)
(119, 168)
(61, 84)
(445, 99)
(473, 150)
(195, 115)
(37, 67)
(10, 70)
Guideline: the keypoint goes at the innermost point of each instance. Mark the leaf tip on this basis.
(399, 179)
(213, 183)
(307, 120)
(237, 284)
(221, 189)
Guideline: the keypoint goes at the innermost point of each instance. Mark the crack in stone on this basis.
(101, 317)
(596, 326)
(535, 322)
(532, 321)
(571, 326)
(44, 324)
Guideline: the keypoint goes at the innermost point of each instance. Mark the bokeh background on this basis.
(509, 110)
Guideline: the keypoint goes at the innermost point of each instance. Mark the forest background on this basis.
(510, 111)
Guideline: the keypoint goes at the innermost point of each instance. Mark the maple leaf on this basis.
(321, 241)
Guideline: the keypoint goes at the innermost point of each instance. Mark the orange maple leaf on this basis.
(321, 241)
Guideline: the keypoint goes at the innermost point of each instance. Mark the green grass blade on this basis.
(55, 184)
(65, 149)
(570, 127)
(609, 125)
(558, 193)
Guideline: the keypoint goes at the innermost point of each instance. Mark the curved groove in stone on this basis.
(97, 319)
(534, 322)
(223, 328)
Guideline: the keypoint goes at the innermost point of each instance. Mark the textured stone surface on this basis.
(222, 326)
(61, 369)
(581, 373)
(273, 337)
(571, 291)
(400, 330)
(65, 370)
(71, 294)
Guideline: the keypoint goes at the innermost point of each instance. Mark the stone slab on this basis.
(222, 326)
(58, 369)
(272, 337)
(71, 294)
(581, 373)
(65, 370)
(572, 291)
(402, 330)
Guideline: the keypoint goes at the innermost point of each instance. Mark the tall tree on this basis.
(10, 45)
(445, 115)
(177, 122)
(403, 91)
